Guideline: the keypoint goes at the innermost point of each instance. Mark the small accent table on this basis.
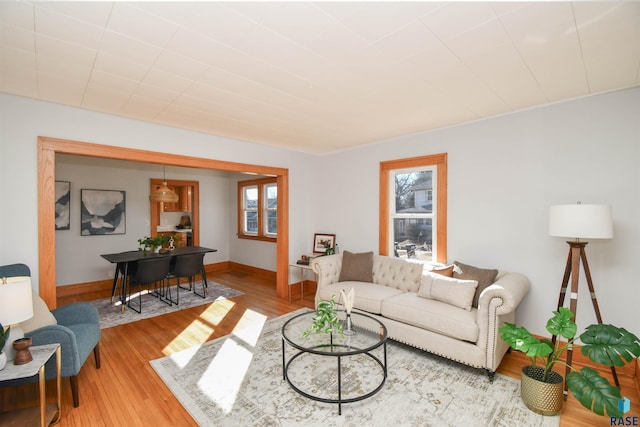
(48, 414)
(314, 350)
(303, 268)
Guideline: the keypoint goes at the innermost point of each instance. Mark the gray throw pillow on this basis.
(485, 277)
(357, 267)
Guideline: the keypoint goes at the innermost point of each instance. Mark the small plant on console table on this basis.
(325, 320)
(605, 344)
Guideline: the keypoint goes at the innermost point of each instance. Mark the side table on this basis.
(302, 268)
(48, 414)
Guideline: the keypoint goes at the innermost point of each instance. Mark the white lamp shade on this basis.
(16, 304)
(581, 221)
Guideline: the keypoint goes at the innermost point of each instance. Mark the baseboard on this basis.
(106, 285)
(252, 270)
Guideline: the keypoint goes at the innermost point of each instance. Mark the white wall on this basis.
(504, 174)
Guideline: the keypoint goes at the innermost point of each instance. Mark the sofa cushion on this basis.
(357, 267)
(445, 271)
(41, 316)
(456, 292)
(367, 296)
(432, 315)
(397, 273)
(485, 277)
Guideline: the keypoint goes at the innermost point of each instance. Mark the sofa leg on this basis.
(74, 390)
(96, 355)
(491, 375)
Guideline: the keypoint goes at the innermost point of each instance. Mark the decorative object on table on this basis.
(163, 193)
(153, 244)
(63, 205)
(323, 242)
(102, 212)
(325, 320)
(604, 344)
(348, 306)
(172, 245)
(579, 222)
(15, 306)
(23, 355)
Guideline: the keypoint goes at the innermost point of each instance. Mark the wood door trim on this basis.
(48, 148)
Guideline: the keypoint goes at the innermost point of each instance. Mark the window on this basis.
(258, 209)
(413, 208)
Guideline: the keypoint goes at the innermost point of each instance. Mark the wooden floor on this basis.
(127, 392)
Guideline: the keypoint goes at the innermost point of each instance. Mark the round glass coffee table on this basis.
(335, 368)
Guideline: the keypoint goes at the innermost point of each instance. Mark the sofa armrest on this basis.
(497, 305)
(68, 344)
(327, 269)
(510, 289)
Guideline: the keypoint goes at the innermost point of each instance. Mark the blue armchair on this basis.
(77, 330)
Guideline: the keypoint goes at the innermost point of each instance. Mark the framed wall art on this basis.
(322, 242)
(102, 212)
(63, 205)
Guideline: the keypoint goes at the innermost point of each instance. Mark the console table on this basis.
(45, 414)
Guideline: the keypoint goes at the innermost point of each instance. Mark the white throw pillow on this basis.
(41, 316)
(456, 292)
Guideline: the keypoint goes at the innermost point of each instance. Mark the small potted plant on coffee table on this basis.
(542, 388)
(325, 320)
(4, 336)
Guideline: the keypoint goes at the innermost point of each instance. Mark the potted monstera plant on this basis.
(542, 388)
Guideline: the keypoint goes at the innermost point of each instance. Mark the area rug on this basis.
(111, 314)
(236, 380)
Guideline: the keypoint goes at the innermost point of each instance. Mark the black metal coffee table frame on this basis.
(339, 351)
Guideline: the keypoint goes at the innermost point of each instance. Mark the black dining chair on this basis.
(189, 266)
(149, 272)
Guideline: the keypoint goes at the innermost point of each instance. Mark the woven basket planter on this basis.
(544, 398)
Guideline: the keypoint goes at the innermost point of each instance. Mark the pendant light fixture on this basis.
(163, 193)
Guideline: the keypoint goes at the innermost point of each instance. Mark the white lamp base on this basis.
(14, 334)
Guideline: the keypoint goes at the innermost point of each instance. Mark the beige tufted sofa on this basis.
(467, 336)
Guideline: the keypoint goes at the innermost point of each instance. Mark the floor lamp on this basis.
(579, 222)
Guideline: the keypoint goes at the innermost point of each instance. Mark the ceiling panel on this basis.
(316, 76)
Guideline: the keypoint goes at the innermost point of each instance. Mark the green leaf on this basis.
(520, 339)
(609, 345)
(594, 392)
(561, 324)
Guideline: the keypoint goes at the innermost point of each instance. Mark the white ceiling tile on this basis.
(104, 98)
(410, 40)
(480, 39)
(128, 48)
(164, 79)
(118, 83)
(18, 72)
(92, 12)
(68, 69)
(156, 93)
(379, 19)
(610, 40)
(16, 13)
(143, 108)
(180, 65)
(65, 52)
(64, 28)
(17, 38)
(119, 66)
(138, 24)
(337, 44)
(198, 47)
(457, 18)
(53, 87)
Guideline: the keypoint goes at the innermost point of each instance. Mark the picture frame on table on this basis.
(102, 212)
(322, 242)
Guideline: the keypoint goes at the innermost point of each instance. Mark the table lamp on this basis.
(15, 306)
